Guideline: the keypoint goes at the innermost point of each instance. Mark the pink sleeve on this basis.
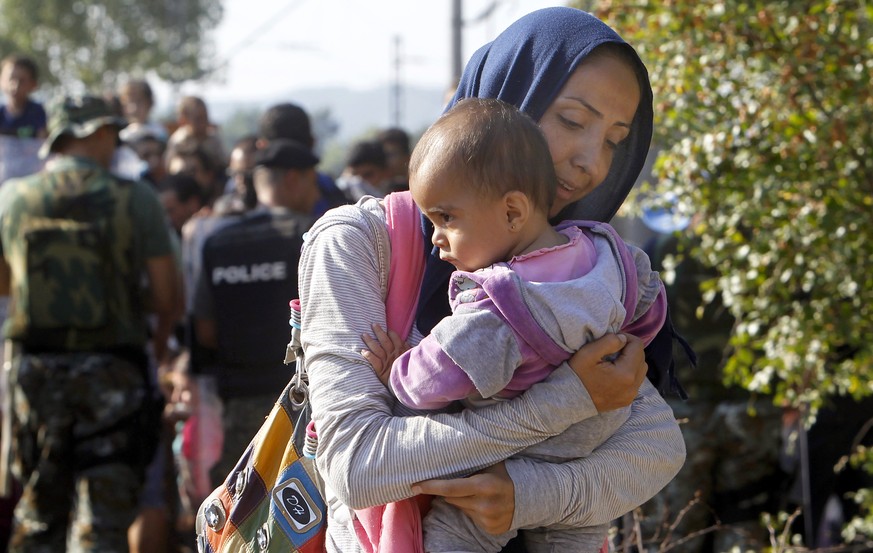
(425, 377)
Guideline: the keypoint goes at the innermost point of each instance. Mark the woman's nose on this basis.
(590, 158)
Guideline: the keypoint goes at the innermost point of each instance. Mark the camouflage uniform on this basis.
(76, 240)
(731, 466)
(77, 420)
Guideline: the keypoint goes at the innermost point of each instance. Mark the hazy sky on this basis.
(273, 46)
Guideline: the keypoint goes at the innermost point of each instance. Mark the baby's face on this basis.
(471, 229)
(17, 84)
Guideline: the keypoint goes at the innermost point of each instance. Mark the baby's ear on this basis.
(518, 209)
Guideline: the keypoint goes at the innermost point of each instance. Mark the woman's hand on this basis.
(382, 351)
(612, 381)
(487, 497)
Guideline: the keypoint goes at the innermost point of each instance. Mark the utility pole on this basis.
(457, 28)
(458, 25)
(397, 90)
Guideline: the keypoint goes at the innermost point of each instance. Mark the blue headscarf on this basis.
(527, 65)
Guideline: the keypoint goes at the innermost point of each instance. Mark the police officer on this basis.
(248, 276)
(78, 246)
(288, 121)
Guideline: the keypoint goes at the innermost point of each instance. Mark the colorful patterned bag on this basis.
(273, 498)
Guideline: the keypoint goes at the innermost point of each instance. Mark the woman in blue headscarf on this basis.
(590, 94)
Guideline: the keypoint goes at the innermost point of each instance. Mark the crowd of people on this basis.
(231, 221)
(149, 267)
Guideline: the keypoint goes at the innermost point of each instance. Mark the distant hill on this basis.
(354, 111)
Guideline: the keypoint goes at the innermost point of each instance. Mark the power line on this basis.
(252, 37)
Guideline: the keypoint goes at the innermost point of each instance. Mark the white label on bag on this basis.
(297, 506)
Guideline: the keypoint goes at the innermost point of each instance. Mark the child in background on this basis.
(524, 292)
(20, 116)
(137, 101)
(194, 126)
(150, 150)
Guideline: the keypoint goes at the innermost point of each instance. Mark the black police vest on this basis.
(251, 267)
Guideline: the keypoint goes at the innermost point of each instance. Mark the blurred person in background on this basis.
(290, 121)
(366, 172)
(240, 304)
(137, 101)
(239, 195)
(20, 116)
(150, 150)
(194, 126)
(191, 159)
(396, 145)
(181, 197)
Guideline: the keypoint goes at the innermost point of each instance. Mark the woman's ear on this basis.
(518, 209)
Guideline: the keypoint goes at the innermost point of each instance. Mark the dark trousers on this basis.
(81, 446)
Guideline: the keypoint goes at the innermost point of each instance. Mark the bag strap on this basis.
(405, 271)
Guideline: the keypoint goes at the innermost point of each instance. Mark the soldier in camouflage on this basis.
(83, 255)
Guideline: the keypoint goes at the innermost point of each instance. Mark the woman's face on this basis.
(589, 117)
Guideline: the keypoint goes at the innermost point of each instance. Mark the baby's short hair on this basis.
(492, 146)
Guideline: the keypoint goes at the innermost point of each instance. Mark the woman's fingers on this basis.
(488, 497)
(612, 369)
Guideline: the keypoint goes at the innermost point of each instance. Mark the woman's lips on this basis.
(565, 190)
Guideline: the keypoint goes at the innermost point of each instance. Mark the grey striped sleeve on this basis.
(627, 470)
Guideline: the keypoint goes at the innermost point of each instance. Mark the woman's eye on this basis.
(569, 123)
(616, 140)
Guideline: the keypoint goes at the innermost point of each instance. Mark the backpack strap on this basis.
(627, 261)
(406, 268)
(397, 527)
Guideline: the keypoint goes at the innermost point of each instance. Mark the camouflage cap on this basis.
(79, 116)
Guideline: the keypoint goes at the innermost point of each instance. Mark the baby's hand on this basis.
(382, 351)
